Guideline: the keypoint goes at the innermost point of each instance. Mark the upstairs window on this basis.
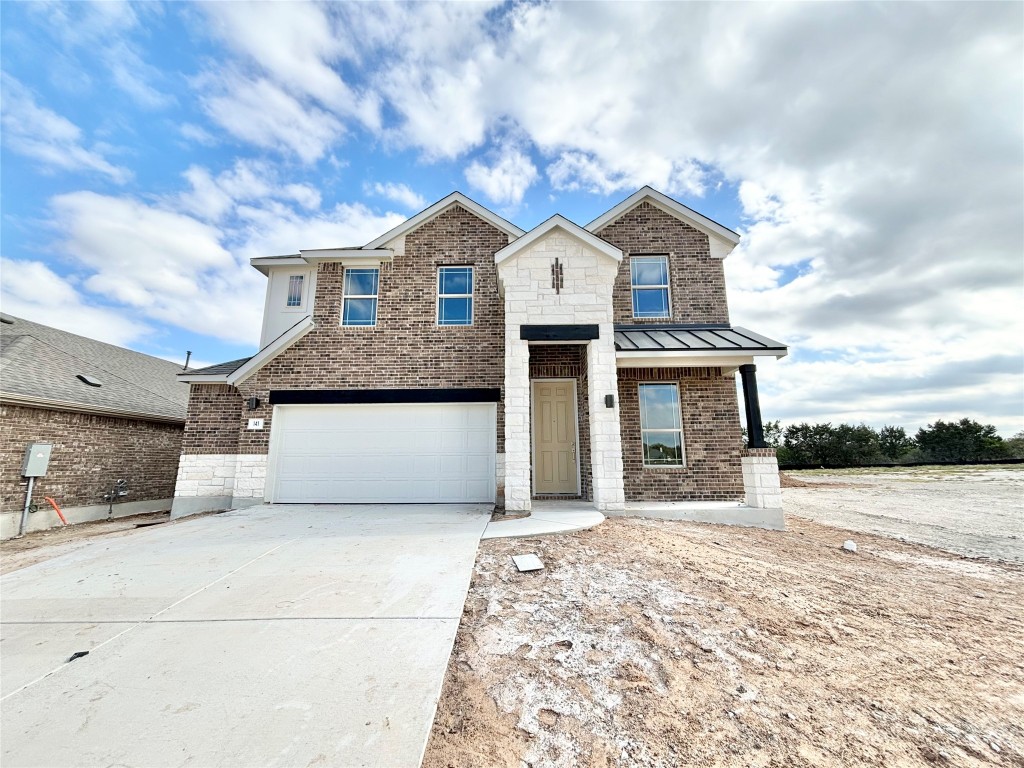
(661, 427)
(455, 296)
(650, 286)
(294, 291)
(359, 296)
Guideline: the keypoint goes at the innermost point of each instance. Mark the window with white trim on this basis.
(359, 296)
(294, 291)
(454, 295)
(649, 277)
(661, 428)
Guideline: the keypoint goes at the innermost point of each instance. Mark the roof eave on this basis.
(673, 207)
(455, 198)
(14, 398)
(558, 222)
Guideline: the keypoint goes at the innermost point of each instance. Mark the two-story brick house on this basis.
(458, 358)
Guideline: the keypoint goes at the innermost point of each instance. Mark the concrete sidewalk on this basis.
(271, 636)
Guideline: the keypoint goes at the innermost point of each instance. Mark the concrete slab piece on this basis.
(296, 635)
(271, 693)
(547, 519)
(722, 513)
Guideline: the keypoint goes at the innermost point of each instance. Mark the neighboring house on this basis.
(111, 414)
(458, 358)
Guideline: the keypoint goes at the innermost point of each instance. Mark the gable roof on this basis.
(455, 198)
(236, 371)
(673, 208)
(558, 222)
(45, 366)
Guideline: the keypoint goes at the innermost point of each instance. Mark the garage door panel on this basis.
(383, 453)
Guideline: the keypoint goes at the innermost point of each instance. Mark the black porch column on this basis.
(755, 430)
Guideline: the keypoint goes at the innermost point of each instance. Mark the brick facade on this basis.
(212, 424)
(90, 452)
(406, 349)
(712, 438)
(696, 279)
(569, 361)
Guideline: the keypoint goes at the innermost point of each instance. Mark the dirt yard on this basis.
(655, 643)
(974, 511)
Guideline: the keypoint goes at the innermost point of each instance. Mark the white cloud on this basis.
(399, 193)
(263, 113)
(52, 140)
(32, 290)
(105, 32)
(144, 263)
(507, 179)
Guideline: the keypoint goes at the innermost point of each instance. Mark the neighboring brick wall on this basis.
(569, 361)
(711, 436)
(697, 281)
(406, 349)
(212, 424)
(90, 452)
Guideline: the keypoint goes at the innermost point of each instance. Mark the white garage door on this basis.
(421, 453)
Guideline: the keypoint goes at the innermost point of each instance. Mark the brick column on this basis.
(517, 421)
(605, 444)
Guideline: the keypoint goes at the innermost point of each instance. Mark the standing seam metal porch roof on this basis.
(699, 338)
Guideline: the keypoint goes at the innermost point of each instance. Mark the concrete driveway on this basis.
(273, 636)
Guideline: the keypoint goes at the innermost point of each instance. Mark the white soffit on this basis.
(455, 198)
(558, 222)
(713, 229)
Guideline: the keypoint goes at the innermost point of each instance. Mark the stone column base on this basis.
(761, 478)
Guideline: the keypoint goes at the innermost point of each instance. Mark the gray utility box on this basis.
(37, 459)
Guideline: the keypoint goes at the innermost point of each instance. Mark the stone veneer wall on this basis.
(569, 361)
(696, 279)
(585, 298)
(90, 452)
(712, 438)
(761, 478)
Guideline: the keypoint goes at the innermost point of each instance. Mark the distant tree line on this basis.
(852, 446)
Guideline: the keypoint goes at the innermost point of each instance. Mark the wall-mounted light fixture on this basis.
(252, 403)
(609, 401)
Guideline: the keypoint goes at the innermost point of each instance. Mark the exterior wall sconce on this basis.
(252, 403)
(609, 401)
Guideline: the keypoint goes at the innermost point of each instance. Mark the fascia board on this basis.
(560, 222)
(671, 207)
(9, 398)
(272, 350)
(264, 264)
(691, 358)
(455, 198)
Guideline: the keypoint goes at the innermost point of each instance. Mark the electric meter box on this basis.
(37, 459)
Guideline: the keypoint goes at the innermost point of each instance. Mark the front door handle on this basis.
(573, 448)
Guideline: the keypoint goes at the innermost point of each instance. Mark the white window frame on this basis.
(442, 296)
(667, 286)
(288, 293)
(346, 296)
(679, 414)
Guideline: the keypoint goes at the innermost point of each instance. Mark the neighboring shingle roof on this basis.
(220, 368)
(673, 338)
(38, 362)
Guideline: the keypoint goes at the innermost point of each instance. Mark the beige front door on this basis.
(554, 437)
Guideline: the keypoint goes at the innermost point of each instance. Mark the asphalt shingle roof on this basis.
(221, 368)
(37, 361)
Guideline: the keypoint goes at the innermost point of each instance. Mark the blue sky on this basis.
(870, 155)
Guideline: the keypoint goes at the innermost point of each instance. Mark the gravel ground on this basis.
(973, 511)
(661, 644)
